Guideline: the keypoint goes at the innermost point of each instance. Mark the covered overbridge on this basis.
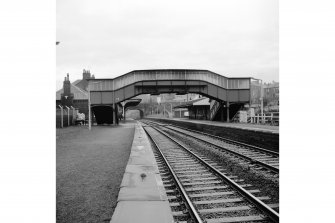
(111, 92)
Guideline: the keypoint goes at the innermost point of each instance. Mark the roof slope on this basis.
(198, 101)
(78, 93)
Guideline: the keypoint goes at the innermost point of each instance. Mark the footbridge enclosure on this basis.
(110, 92)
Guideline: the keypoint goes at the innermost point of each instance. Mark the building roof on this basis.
(76, 82)
(78, 93)
(196, 102)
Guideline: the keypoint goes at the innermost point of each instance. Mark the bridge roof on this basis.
(160, 70)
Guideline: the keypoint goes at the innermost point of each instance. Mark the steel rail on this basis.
(274, 216)
(229, 140)
(189, 203)
(271, 168)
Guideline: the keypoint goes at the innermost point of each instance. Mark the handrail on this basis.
(214, 109)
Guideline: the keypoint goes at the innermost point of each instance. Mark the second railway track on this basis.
(258, 157)
(206, 191)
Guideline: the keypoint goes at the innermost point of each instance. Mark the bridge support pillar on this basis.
(227, 111)
(114, 114)
(124, 114)
(222, 111)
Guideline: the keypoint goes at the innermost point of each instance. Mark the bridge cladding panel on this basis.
(194, 83)
(107, 97)
(149, 83)
(176, 83)
(119, 95)
(212, 90)
(222, 94)
(244, 95)
(96, 97)
(233, 96)
(129, 91)
(165, 81)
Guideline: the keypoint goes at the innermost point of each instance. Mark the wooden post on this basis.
(61, 116)
(68, 116)
(73, 115)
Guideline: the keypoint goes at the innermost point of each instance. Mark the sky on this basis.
(234, 38)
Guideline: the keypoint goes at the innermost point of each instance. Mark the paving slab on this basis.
(146, 159)
(141, 168)
(142, 194)
(142, 211)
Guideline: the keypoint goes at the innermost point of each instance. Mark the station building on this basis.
(75, 94)
(195, 109)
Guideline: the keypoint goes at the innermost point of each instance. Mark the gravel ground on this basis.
(90, 167)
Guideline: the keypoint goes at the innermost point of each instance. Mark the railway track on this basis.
(256, 156)
(201, 191)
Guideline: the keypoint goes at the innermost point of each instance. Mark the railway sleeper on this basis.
(226, 209)
(236, 219)
(199, 179)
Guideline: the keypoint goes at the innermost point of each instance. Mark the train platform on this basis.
(142, 196)
(244, 126)
(89, 170)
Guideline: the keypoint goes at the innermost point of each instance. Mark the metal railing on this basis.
(65, 116)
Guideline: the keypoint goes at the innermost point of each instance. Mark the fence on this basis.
(65, 116)
(272, 118)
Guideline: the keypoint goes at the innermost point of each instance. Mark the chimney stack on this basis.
(67, 85)
(67, 96)
(86, 74)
